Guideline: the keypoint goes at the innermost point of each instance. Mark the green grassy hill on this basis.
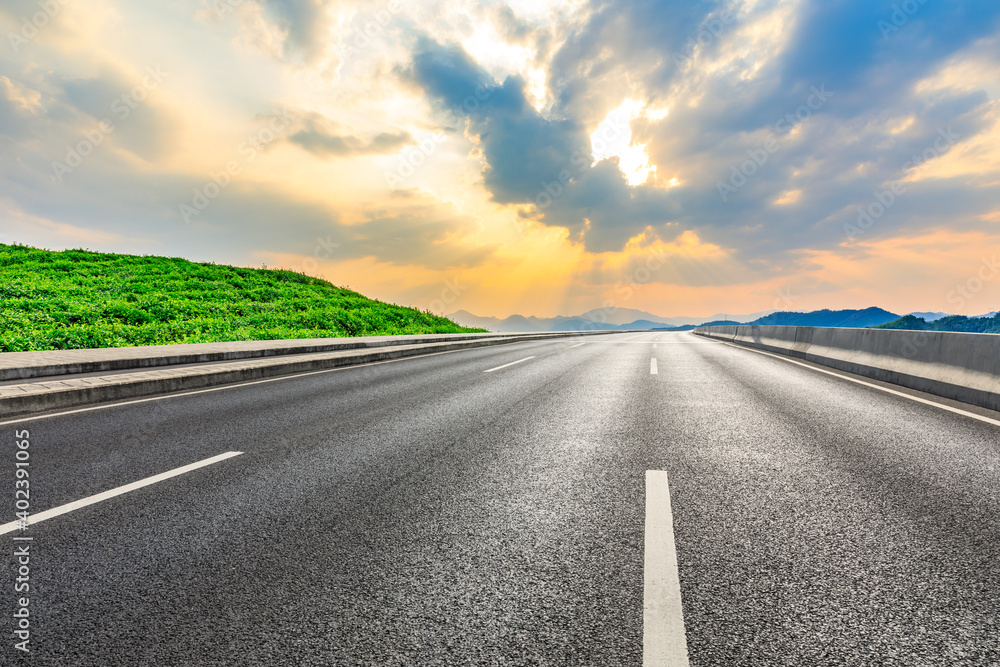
(80, 299)
(950, 323)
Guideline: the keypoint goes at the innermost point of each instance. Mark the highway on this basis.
(487, 507)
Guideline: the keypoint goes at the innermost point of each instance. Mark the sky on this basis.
(539, 157)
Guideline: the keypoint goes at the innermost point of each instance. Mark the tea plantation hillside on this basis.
(81, 299)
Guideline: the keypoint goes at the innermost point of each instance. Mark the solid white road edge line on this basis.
(664, 643)
(90, 500)
(981, 418)
(652, 366)
(510, 364)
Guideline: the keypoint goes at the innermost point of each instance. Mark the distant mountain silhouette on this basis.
(611, 319)
(720, 323)
(647, 325)
(930, 317)
(621, 319)
(980, 324)
(850, 319)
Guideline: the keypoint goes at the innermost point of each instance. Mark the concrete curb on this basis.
(961, 366)
(25, 365)
(68, 392)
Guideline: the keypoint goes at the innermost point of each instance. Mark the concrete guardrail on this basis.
(960, 366)
(33, 382)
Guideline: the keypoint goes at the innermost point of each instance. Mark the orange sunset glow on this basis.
(542, 158)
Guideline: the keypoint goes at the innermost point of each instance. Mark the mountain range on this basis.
(977, 324)
(850, 319)
(631, 319)
(600, 318)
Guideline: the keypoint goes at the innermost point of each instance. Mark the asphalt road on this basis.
(425, 512)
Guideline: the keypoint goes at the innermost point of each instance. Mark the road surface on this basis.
(487, 507)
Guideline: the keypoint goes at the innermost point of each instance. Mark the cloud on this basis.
(425, 236)
(530, 159)
(880, 47)
(304, 25)
(98, 123)
(320, 136)
(522, 87)
(113, 200)
(422, 233)
(18, 104)
(513, 29)
(22, 98)
(125, 101)
(522, 150)
(732, 88)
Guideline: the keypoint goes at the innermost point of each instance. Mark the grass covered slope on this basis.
(80, 299)
(950, 323)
